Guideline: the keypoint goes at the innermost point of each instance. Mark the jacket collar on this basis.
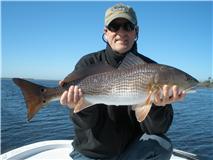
(113, 58)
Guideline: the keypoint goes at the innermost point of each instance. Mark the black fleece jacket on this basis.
(102, 131)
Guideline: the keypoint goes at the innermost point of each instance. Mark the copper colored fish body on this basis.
(135, 85)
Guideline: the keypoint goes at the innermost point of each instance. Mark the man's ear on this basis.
(104, 35)
(105, 30)
(137, 31)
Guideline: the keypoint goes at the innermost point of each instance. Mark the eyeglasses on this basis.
(114, 27)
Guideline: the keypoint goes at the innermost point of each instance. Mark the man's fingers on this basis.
(175, 91)
(71, 97)
(70, 94)
(61, 83)
(181, 95)
(76, 94)
(80, 92)
(168, 95)
(158, 98)
(63, 99)
(165, 94)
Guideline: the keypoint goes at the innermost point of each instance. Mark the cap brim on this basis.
(123, 15)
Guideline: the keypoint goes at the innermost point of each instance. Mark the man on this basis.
(109, 132)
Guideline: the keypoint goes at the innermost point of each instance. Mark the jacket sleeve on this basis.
(87, 118)
(158, 120)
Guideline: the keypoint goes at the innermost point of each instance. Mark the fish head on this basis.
(172, 76)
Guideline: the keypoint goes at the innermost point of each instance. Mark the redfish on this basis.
(134, 85)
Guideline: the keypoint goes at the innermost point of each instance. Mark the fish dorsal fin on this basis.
(131, 60)
(90, 70)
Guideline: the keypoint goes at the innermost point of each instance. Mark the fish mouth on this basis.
(196, 81)
(191, 88)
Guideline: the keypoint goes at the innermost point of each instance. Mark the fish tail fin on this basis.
(34, 96)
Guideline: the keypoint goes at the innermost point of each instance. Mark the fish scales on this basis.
(120, 82)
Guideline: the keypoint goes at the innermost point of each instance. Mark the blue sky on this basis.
(44, 40)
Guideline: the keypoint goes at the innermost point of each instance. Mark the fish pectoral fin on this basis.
(142, 110)
(82, 104)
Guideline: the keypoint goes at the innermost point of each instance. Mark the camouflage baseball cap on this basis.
(120, 11)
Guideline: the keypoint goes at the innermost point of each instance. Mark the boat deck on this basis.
(61, 149)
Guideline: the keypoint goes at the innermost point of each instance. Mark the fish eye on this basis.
(43, 90)
(187, 78)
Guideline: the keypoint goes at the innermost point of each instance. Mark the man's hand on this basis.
(168, 95)
(71, 97)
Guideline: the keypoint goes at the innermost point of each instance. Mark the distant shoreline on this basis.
(206, 84)
(30, 79)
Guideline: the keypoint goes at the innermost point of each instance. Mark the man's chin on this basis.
(122, 50)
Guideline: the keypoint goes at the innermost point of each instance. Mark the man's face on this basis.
(121, 39)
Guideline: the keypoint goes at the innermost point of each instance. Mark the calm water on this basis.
(192, 128)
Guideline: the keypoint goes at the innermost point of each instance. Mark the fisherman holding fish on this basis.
(120, 100)
(113, 132)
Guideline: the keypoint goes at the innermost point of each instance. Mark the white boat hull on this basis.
(61, 149)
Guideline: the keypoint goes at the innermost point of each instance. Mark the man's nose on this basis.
(121, 31)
